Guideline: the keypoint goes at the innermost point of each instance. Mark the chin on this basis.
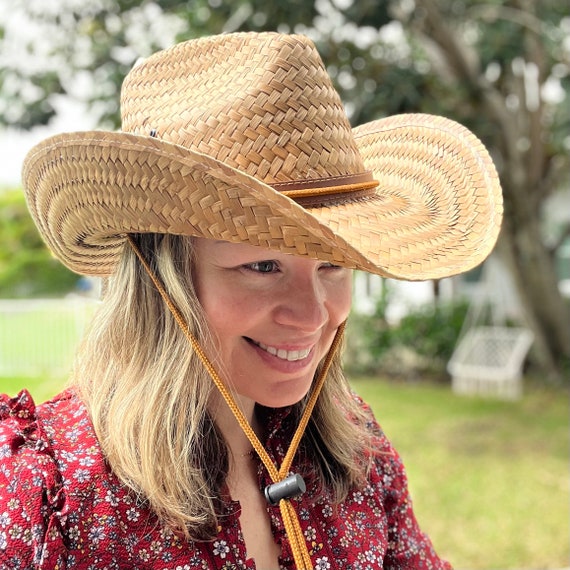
(283, 399)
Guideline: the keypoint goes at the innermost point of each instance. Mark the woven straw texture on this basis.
(211, 125)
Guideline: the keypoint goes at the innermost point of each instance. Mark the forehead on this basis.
(216, 248)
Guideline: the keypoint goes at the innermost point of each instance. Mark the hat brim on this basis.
(436, 212)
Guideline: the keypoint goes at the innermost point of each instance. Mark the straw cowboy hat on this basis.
(242, 137)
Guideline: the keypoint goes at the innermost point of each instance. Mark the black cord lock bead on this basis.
(291, 486)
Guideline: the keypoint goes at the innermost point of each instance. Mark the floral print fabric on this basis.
(61, 508)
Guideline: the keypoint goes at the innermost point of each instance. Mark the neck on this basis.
(229, 427)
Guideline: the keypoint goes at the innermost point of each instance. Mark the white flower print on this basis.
(221, 548)
(96, 534)
(310, 533)
(86, 461)
(82, 475)
(370, 556)
(16, 532)
(133, 514)
(112, 499)
(68, 455)
(322, 563)
(358, 498)
(4, 520)
(73, 533)
(13, 503)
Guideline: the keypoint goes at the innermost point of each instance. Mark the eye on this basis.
(330, 266)
(263, 266)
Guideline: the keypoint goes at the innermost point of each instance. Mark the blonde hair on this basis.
(147, 394)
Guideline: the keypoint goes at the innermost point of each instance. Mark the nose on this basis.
(303, 304)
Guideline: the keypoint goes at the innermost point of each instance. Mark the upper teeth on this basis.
(290, 355)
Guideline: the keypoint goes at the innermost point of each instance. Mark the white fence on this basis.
(39, 336)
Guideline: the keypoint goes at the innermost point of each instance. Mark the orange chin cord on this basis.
(288, 514)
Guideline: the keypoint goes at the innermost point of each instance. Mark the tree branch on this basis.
(560, 241)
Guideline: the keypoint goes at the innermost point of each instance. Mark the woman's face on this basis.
(274, 315)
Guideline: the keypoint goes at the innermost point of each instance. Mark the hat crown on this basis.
(261, 103)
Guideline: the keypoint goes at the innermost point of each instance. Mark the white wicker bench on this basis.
(488, 360)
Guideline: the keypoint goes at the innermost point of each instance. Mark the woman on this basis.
(208, 423)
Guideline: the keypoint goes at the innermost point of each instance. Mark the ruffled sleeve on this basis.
(32, 501)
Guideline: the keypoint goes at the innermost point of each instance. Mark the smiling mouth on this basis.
(289, 355)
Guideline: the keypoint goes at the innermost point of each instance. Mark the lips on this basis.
(289, 355)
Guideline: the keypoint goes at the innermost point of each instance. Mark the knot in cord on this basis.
(288, 514)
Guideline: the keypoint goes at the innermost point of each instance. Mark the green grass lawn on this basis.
(40, 388)
(489, 479)
(42, 337)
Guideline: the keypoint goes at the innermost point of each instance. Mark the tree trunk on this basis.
(531, 267)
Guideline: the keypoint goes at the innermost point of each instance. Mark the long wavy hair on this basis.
(147, 393)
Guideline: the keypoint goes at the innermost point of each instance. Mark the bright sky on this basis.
(14, 145)
(72, 117)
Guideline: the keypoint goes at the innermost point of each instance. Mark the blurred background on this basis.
(469, 375)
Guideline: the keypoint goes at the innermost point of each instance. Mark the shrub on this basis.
(27, 268)
(432, 330)
(422, 342)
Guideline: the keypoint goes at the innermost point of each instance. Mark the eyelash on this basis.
(254, 267)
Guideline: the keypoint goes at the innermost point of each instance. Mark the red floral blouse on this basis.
(62, 508)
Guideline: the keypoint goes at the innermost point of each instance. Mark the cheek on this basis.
(342, 301)
(227, 315)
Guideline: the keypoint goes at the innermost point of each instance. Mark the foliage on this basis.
(379, 68)
(421, 343)
(96, 45)
(432, 330)
(27, 268)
